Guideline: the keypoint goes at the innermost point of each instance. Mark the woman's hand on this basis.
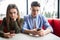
(16, 16)
(12, 33)
(7, 35)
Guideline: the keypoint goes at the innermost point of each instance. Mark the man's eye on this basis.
(14, 12)
(37, 10)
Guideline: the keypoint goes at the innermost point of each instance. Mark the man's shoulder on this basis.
(40, 15)
(27, 16)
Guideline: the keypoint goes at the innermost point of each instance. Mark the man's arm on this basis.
(34, 32)
(47, 26)
(26, 29)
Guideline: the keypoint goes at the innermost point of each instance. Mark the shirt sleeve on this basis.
(46, 24)
(2, 27)
(25, 25)
(16, 27)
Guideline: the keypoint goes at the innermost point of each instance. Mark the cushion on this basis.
(0, 21)
(57, 27)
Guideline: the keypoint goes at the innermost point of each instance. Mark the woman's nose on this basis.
(12, 14)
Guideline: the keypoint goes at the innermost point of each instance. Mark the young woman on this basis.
(12, 22)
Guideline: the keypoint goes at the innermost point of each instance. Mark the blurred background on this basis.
(49, 8)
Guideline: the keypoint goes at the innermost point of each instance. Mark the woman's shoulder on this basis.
(4, 19)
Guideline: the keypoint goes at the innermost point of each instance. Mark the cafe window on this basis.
(21, 4)
(49, 8)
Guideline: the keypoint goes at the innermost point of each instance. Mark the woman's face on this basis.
(13, 13)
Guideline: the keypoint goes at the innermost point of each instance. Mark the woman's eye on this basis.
(14, 12)
(10, 13)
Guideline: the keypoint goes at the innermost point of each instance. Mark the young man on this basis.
(33, 23)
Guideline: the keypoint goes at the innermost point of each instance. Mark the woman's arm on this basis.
(2, 27)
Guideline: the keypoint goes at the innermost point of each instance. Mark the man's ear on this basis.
(30, 8)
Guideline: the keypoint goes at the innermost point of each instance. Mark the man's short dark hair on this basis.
(35, 3)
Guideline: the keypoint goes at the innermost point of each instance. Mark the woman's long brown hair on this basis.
(10, 6)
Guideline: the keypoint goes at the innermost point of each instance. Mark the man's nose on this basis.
(35, 11)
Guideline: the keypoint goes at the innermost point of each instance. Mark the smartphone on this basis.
(38, 29)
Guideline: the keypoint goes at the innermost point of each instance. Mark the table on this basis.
(22, 36)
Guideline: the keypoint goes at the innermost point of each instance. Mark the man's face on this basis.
(35, 10)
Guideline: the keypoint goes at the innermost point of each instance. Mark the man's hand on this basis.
(44, 32)
(41, 32)
(34, 32)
